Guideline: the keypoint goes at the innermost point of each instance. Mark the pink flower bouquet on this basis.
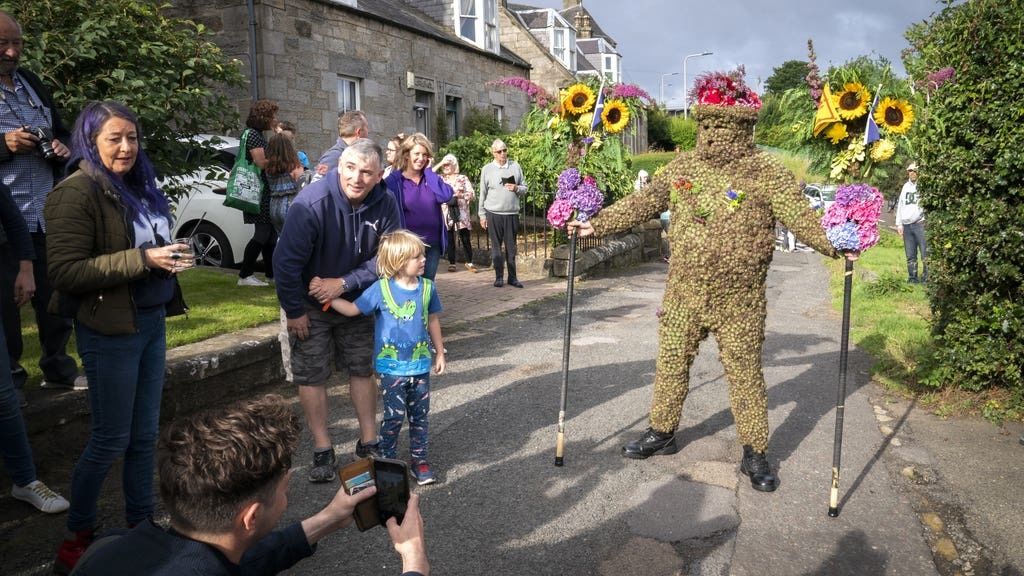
(851, 223)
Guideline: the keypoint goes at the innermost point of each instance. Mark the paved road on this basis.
(503, 508)
(919, 495)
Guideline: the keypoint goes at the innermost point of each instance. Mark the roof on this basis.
(595, 46)
(404, 15)
(595, 30)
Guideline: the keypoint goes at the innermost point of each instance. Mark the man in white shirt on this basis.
(910, 226)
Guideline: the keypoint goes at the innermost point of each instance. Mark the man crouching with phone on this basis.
(224, 479)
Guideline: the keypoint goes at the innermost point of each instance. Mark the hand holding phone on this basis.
(391, 477)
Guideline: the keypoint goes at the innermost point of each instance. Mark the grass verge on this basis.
(890, 319)
(216, 306)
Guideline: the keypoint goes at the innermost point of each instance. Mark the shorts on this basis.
(349, 340)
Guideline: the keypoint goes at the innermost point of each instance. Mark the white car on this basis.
(820, 196)
(218, 234)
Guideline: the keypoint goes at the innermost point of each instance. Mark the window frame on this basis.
(356, 93)
(485, 23)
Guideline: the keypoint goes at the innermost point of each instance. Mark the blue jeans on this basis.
(433, 258)
(405, 396)
(13, 439)
(126, 379)
(914, 243)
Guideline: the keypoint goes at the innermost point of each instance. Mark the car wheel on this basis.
(211, 247)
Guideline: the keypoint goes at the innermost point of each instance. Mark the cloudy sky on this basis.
(654, 35)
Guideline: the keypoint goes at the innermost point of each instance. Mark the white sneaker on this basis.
(251, 281)
(40, 496)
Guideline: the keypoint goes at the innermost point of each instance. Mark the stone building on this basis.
(564, 45)
(411, 65)
(545, 39)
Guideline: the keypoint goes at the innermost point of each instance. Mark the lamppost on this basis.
(663, 85)
(686, 104)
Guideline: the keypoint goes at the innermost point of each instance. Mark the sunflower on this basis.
(837, 132)
(882, 150)
(853, 101)
(579, 98)
(615, 116)
(895, 115)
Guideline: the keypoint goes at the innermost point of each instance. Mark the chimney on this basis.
(582, 24)
(566, 4)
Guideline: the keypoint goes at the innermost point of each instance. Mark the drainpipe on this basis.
(254, 80)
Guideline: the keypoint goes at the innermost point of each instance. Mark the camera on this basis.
(45, 144)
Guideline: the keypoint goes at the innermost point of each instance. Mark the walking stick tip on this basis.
(559, 461)
(833, 512)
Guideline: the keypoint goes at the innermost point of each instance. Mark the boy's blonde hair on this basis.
(397, 248)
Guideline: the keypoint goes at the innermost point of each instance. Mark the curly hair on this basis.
(261, 115)
(214, 462)
(396, 249)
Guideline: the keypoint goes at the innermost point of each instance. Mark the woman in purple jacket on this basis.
(420, 193)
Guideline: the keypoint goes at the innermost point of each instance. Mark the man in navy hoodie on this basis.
(331, 233)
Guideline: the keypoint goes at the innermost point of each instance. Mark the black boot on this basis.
(756, 466)
(651, 443)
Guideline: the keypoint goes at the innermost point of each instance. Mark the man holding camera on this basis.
(224, 478)
(32, 155)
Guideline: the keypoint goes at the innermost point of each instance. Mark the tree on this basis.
(659, 136)
(967, 61)
(165, 69)
(790, 74)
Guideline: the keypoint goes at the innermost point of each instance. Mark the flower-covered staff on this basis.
(725, 197)
(851, 224)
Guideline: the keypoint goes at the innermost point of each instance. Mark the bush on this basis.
(972, 183)
(482, 121)
(683, 132)
(659, 137)
(167, 70)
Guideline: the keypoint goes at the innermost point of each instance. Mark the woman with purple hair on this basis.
(113, 271)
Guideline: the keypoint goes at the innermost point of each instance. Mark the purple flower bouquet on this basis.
(851, 223)
(578, 198)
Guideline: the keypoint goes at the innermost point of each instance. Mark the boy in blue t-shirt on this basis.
(405, 307)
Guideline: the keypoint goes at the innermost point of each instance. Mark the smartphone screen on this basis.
(392, 489)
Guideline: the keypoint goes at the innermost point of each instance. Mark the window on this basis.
(453, 115)
(348, 94)
(421, 112)
(477, 21)
(498, 112)
(558, 44)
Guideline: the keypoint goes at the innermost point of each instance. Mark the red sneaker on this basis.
(71, 550)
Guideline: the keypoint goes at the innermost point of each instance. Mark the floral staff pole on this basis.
(851, 224)
(578, 199)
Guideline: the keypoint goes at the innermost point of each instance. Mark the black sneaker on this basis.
(651, 443)
(323, 466)
(756, 466)
(364, 450)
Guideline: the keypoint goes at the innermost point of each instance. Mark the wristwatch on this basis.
(344, 286)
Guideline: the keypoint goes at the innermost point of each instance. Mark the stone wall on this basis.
(304, 45)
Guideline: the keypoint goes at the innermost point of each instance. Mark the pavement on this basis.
(918, 494)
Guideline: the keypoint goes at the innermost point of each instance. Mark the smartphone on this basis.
(392, 477)
(356, 477)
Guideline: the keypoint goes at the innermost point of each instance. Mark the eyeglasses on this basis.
(392, 149)
(502, 151)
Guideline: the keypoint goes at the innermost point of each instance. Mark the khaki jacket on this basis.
(92, 257)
